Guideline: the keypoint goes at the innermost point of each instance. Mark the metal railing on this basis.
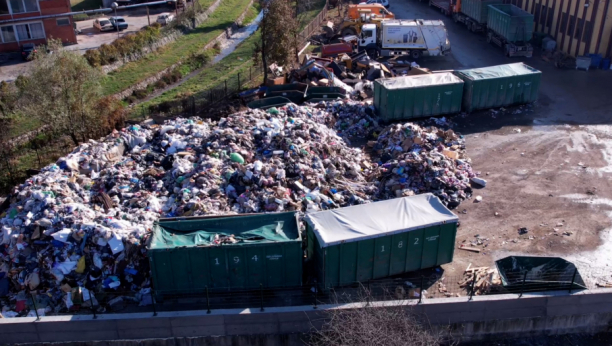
(417, 288)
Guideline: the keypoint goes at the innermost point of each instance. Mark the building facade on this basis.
(580, 27)
(24, 21)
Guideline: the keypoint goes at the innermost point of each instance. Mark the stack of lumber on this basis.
(485, 279)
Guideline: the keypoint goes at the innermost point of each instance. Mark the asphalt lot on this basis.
(556, 170)
(88, 39)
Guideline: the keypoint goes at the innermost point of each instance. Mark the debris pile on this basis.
(483, 280)
(415, 160)
(80, 225)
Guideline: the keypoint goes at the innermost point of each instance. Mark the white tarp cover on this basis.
(419, 81)
(378, 219)
(499, 71)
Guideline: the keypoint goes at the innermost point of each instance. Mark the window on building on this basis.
(551, 15)
(30, 31)
(588, 31)
(8, 34)
(578, 33)
(564, 23)
(571, 26)
(20, 6)
(4, 7)
(63, 22)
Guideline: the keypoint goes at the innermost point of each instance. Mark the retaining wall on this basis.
(483, 317)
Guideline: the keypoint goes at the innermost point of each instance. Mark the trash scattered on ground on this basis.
(78, 228)
(522, 230)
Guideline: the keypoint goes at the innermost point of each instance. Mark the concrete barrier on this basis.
(483, 317)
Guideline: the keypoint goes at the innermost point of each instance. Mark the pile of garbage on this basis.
(419, 159)
(80, 226)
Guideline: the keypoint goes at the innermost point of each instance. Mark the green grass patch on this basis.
(228, 68)
(175, 52)
(252, 13)
(21, 125)
(238, 62)
(83, 5)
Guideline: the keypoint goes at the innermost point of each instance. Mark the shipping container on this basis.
(376, 240)
(497, 86)
(510, 22)
(417, 96)
(185, 256)
(478, 10)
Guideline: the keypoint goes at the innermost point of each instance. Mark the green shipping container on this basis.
(510, 22)
(376, 240)
(478, 10)
(418, 96)
(497, 86)
(185, 258)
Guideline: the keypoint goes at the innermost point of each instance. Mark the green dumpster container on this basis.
(497, 86)
(478, 10)
(510, 22)
(184, 257)
(276, 101)
(294, 91)
(376, 240)
(410, 97)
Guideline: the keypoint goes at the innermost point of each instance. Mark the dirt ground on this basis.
(548, 165)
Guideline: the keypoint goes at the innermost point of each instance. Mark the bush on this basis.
(176, 75)
(93, 57)
(80, 17)
(140, 93)
(108, 54)
(131, 99)
(160, 84)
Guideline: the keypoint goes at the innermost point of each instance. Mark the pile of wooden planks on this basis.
(485, 279)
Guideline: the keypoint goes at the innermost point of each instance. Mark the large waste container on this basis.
(478, 10)
(417, 96)
(497, 86)
(186, 258)
(510, 22)
(534, 274)
(375, 240)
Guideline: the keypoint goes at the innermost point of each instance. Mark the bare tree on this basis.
(362, 324)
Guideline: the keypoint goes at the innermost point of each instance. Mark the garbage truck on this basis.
(415, 38)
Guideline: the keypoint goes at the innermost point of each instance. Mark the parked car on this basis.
(103, 24)
(382, 2)
(118, 22)
(165, 18)
(27, 50)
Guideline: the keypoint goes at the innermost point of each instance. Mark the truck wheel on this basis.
(415, 54)
(372, 53)
(348, 32)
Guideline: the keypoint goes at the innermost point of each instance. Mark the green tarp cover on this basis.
(260, 228)
(499, 71)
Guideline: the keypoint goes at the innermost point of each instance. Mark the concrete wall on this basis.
(503, 316)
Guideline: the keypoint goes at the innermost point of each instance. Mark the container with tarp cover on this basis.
(410, 97)
(187, 255)
(376, 240)
(535, 274)
(498, 86)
